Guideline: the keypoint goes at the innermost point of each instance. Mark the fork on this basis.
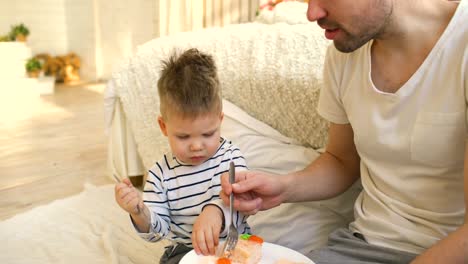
(232, 235)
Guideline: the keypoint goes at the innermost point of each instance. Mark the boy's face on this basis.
(192, 140)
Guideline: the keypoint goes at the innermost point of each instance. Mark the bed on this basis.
(271, 79)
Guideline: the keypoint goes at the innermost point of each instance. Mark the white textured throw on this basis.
(273, 72)
(86, 228)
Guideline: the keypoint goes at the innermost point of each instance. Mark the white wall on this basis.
(101, 32)
(81, 35)
(122, 26)
(45, 20)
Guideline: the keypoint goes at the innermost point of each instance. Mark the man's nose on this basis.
(315, 11)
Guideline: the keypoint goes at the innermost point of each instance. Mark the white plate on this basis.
(270, 254)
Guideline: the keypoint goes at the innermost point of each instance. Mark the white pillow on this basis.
(290, 12)
(300, 226)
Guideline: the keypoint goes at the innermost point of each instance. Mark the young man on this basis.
(181, 196)
(395, 94)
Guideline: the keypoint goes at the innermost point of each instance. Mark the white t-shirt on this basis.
(411, 142)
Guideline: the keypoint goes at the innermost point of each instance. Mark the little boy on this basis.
(181, 195)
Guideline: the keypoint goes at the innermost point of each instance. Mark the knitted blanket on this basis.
(271, 71)
(86, 228)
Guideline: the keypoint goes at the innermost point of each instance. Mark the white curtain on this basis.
(188, 15)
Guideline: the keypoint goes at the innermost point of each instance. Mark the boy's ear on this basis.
(162, 125)
(221, 116)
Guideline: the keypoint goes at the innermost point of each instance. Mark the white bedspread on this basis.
(273, 72)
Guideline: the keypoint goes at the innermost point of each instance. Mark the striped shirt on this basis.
(175, 194)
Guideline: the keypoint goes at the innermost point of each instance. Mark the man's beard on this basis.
(371, 28)
(351, 43)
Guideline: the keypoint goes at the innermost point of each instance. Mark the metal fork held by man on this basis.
(232, 235)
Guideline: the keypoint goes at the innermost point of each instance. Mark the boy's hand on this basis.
(206, 230)
(128, 197)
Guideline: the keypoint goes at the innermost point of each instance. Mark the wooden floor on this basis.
(50, 146)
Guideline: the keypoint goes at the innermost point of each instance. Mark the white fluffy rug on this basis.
(87, 228)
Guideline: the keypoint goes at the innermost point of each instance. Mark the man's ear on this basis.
(162, 125)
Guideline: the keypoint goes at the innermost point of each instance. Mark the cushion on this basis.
(290, 12)
(301, 226)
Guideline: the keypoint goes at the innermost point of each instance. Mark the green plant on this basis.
(5, 38)
(33, 64)
(19, 29)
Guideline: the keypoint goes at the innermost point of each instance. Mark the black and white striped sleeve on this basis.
(155, 198)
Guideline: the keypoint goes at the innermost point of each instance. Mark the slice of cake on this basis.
(247, 251)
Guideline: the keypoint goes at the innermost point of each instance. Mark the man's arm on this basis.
(332, 173)
(453, 248)
(329, 175)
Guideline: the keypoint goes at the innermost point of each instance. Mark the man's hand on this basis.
(254, 191)
(206, 230)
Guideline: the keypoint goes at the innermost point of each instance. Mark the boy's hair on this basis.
(189, 85)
